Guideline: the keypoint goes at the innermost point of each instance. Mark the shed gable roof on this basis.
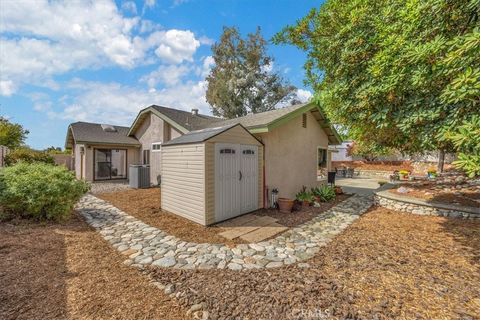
(202, 135)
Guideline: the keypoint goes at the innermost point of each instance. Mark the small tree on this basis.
(24, 154)
(242, 80)
(12, 135)
(466, 139)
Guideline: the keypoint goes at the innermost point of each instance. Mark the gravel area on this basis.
(67, 271)
(384, 266)
(109, 186)
(144, 245)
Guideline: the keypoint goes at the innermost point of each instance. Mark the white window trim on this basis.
(156, 143)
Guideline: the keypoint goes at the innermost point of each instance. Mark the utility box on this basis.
(139, 176)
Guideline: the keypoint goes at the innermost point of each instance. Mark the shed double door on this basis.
(236, 180)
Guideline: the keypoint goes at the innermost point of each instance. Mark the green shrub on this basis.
(325, 193)
(466, 139)
(304, 195)
(27, 155)
(39, 190)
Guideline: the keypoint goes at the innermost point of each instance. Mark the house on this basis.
(292, 142)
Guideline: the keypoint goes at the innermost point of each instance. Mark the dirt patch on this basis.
(306, 214)
(67, 271)
(449, 192)
(386, 265)
(145, 205)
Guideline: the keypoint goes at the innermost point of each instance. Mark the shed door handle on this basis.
(240, 175)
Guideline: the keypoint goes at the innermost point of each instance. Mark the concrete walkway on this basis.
(359, 185)
(144, 245)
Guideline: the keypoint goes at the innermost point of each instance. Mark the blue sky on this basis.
(102, 61)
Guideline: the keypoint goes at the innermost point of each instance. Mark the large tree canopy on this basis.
(398, 72)
(12, 135)
(242, 80)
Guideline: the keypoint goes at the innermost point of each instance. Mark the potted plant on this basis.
(304, 196)
(285, 205)
(403, 174)
(431, 173)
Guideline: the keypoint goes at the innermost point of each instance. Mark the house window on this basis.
(146, 156)
(156, 147)
(322, 158)
(248, 151)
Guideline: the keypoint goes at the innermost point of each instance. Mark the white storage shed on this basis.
(213, 174)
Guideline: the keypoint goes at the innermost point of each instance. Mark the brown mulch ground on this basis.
(145, 205)
(67, 271)
(442, 192)
(386, 265)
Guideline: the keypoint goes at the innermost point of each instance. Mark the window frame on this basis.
(318, 158)
(146, 159)
(159, 143)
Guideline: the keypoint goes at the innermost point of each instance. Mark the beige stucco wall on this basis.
(291, 155)
(78, 159)
(183, 181)
(153, 129)
(88, 167)
(235, 135)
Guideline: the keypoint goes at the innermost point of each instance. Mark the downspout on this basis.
(265, 193)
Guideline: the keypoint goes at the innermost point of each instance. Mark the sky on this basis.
(103, 61)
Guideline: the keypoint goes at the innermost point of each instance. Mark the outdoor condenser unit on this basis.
(139, 176)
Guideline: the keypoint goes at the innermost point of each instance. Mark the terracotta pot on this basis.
(285, 205)
(338, 190)
(306, 203)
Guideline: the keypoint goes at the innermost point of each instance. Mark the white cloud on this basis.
(7, 88)
(119, 104)
(177, 46)
(169, 75)
(55, 37)
(207, 63)
(150, 3)
(129, 6)
(303, 95)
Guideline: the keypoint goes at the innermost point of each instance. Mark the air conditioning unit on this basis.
(139, 176)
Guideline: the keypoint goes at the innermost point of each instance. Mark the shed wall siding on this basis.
(183, 181)
(291, 155)
(239, 136)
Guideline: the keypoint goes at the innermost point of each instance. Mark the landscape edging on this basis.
(417, 206)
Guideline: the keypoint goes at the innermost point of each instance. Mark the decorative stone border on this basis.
(418, 206)
(145, 245)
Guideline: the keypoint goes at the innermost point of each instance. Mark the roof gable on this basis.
(266, 121)
(181, 120)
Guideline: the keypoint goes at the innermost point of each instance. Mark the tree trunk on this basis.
(441, 160)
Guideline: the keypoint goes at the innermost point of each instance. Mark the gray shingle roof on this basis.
(198, 135)
(93, 133)
(260, 119)
(188, 120)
